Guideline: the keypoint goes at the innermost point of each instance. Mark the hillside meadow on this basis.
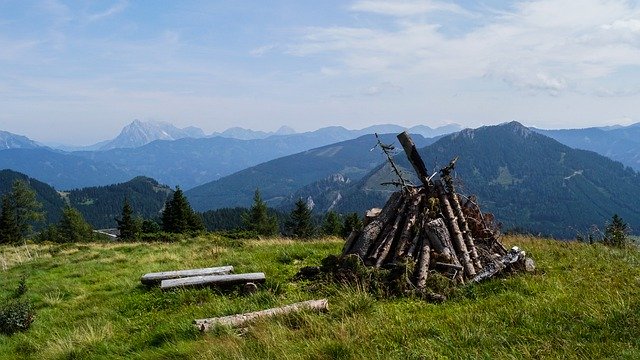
(582, 303)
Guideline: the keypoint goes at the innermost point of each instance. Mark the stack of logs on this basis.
(435, 227)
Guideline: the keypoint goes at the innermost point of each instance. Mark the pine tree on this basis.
(332, 225)
(20, 210)
(616, 232)
(300, 225)
(351, 222)
(258, 218)
(72, 227)
(9, 231)
(178, 217)
(128, 226)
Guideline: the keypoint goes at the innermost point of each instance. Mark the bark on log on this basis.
(387, 237)
(157, 277)
(412, 154)
(466, 233)
(423, 264)
(370, 232)
(213, 280)
(242, 319)
(456, 235)
(439, 239)
(408, 229)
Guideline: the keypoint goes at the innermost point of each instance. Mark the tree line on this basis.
(21, 210)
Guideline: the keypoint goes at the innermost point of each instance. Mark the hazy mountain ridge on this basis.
(620, 143)
(278, 179)
(13, 141)
(140, 133)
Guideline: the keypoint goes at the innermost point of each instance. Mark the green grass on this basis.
(583, 303)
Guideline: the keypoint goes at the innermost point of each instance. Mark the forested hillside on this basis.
(51, 201)
(531, 182)
(101, 205)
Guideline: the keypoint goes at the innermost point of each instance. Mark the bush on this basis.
(16, 313)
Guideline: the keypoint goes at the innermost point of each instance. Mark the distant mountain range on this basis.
(528, 180)
(621, 143)
(279, 178)
(140, 133)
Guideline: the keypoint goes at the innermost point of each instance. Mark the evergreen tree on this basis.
(20, 210)
(351, 222)
(178, 217)
(300, 225)
(331, 224)
(9, 231)
(128, 227)
(616, 232)
(72, 227)
(258, 218)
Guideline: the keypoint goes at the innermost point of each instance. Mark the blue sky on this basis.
(78, 71)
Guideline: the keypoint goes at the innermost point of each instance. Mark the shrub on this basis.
(16, 313)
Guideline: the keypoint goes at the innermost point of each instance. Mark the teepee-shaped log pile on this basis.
(433, 226)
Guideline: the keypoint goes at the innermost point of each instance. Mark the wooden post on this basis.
(412, 154)
(423, 264)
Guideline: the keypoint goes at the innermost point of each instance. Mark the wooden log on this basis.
(157, 277)
(213, 280)
(439, 239)
(423, 264)
(350, 240)
(409, 227)
(370, 232)
(466, 233)
(239, 320)
(456, 235)
(387, 237)
(412, 154)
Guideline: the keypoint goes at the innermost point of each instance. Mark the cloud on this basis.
(382, 88)
(544, 45)
(113, 10)
(261, 50)
(405, 7)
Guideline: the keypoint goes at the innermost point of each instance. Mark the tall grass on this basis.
(582, 303)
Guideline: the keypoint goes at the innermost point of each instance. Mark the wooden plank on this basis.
(157, 277)
(213, 280)
(242, 319)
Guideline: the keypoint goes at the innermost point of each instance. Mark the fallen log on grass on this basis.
(213, 280)
(157, 277)
(239, 320)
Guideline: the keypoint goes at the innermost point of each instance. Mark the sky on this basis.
(76, 72)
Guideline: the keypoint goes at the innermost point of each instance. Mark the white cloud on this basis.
(546, 45)
(405, 7)
(113, 10)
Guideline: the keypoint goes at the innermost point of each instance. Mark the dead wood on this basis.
(239, 320)
(157, 277)
(213, 280)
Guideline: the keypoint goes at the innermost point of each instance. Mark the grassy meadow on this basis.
(582, 303)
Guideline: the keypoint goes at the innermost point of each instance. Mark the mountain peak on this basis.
(12, 141)
(139, 133)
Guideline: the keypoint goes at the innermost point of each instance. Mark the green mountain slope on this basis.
(101, 205)
(529, 181)
(51, 201)
(280, 178)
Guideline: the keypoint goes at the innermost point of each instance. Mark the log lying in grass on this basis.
(156, 278)
(213, 280)
(239, 320)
